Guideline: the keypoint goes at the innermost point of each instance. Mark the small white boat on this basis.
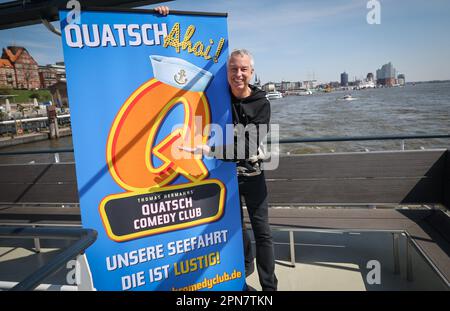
(347, 97)
(305, 92)
(299, 92)
(274, 95)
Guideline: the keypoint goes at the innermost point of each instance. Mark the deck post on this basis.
(409, 270)
(395, 237)
(37, 243)
(292, 247)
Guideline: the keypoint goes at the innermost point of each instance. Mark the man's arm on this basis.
(163, 10)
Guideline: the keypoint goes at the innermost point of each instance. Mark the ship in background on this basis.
(274, 95)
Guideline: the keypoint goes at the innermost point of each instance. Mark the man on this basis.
(250, 108)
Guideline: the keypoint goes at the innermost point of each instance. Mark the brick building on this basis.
(26, 72)
(51, 74)
(7, 74)
(47, 76)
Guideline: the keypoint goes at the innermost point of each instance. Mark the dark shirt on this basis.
(248, 115)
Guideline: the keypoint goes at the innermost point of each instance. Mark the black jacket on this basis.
(252, 111)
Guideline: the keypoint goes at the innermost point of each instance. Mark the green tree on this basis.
(35, 95)
(5, 91)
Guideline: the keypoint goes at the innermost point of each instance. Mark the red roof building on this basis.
(25, 67)
(7, 74)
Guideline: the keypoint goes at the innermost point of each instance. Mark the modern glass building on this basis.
(344, 79)
(386, 75)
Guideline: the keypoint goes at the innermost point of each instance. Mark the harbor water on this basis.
(423, 108)
(414, 109)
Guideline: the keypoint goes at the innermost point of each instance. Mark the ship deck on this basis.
(331, 215)
(323, 260)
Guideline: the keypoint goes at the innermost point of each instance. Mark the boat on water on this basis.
(305, 92)
(300, 92)
(347, 97)
(274, 95)
(366, 85)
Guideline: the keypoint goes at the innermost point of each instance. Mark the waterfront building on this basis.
(269, 87)
(401, 79)
(290, 86)
(370, 77)
(298, 85)
(386, 75)
(51, 74)
(283, 86)
(310, 84)
(344, 79)
(26, 72)
(7, 74)
(47, 76)
(335, 84)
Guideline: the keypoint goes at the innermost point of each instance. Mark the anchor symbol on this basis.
(180, 78)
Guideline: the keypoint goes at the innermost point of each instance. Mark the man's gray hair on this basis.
(243, 52)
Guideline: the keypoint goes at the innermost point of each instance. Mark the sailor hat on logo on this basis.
(179, 73)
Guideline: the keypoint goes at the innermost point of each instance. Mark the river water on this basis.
(423, 108)
(414, 109)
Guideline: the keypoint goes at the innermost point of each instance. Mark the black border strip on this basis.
(172, 12)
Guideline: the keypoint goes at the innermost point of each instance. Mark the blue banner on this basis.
(143, 91)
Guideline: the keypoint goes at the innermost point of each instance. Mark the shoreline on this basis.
(32, 137)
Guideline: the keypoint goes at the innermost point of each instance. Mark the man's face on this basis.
(240, 72)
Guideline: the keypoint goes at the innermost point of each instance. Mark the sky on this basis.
(296, 40)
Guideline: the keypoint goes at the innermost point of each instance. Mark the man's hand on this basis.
(163, 10)
(200, 149)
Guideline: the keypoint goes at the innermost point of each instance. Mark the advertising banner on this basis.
(144, 90)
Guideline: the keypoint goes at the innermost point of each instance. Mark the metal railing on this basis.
(84, 238)
(65, 116)
(281, 141)
(42, 151)
(328, 139)
(358, 138)
(395, 243)
(87, 236)
(409, 246)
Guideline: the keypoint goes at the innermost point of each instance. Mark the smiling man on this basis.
(251, 109)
